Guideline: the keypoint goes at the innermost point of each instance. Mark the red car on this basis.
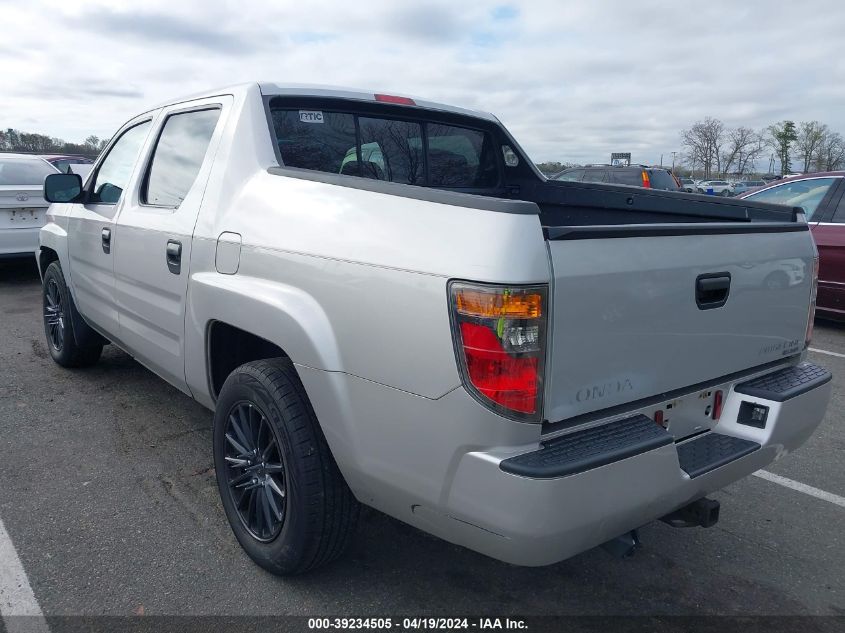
(821, 196)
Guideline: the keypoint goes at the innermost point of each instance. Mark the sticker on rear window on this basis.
(310, 116)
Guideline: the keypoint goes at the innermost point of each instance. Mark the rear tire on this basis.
(57, 307)
(282, 491)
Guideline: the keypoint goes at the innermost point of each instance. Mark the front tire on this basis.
(57, 307)
(282, 491)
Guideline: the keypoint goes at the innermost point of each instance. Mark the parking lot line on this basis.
(797, 485)
(824, 351)
(16, 597)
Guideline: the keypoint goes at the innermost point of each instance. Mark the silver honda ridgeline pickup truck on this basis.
(385, 303)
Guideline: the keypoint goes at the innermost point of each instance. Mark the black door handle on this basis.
(105, 236)
(174, 256)
(712, 290)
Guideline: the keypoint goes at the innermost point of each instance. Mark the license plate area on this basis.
(20, 218)
(688, 415)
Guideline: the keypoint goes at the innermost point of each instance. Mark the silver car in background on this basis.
(744, 186)
(23, 210)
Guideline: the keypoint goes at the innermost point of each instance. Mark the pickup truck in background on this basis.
(385, 303)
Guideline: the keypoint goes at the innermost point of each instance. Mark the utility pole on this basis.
(661, 160)
(673, 161)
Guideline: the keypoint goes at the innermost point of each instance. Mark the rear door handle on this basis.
(712, 290)
(174, 256)
(105, 236)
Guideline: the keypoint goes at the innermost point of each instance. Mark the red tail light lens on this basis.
(500, 339)
(811, 316)
(718, 404)
(646, 180)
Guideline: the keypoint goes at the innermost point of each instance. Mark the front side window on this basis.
(178, 156)
(806, 194)
(115, 170)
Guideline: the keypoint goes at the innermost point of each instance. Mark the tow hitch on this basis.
(701, 513)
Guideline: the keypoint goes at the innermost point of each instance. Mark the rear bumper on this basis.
(537, 520)
(19, 242)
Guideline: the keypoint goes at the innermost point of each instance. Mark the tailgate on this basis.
(634, 310)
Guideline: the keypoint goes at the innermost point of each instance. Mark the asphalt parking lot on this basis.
(108, 494)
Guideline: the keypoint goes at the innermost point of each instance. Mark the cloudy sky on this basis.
(572, 80)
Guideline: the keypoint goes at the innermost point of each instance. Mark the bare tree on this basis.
(743, 147)
(810, 137)
(704, 141)
(830, 155)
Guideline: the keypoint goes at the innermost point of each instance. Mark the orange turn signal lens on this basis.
(500, 303)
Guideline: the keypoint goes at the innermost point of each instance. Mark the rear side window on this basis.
(178, 156)
(383, 148)
(316, 140)
(391, 150)
(460, 157)
(595, 175)
(623, 176)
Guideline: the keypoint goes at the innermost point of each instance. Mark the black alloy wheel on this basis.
(54, 315)
(256, 471)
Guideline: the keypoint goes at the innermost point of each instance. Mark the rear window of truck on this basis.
(386, 148)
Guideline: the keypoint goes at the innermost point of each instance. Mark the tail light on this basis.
(811, 315)
(394, 99)
(718, 404)
(500, 342)
(646, 180)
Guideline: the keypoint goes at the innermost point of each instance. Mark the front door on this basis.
(91, 230)
(156, 224)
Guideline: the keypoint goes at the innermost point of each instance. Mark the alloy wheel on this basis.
(256, 471)
(54, 315)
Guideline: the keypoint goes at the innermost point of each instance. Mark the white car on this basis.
(715, 187)
(23, 210)
(747, 185)
(688, 185)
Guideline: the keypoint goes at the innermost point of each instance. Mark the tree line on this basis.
(713, 149)
(12, 140)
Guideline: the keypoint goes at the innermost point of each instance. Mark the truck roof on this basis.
(270, 89)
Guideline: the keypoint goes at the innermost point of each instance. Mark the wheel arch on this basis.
(238, 318)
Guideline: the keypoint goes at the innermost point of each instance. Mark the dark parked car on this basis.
(61, 162)
(635, 175)
(821, 196)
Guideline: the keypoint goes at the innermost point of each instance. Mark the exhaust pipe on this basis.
(623, 546)
(702, 513)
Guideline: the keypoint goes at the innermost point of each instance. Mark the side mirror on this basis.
(63, 188)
